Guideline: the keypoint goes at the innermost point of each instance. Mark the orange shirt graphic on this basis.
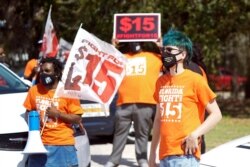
(179, 98)
(138, 85)
(55, 132)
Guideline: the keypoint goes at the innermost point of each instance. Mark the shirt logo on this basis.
(136, 66)
(171, 103)
(42, 103)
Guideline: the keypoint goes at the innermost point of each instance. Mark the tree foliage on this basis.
(212, 23)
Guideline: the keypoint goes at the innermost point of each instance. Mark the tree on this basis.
(215, 24)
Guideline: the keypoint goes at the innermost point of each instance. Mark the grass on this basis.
(229, 128)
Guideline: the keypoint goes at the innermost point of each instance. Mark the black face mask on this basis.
(168, 60)
(47, 80)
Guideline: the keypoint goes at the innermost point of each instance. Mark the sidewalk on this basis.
(100, 155)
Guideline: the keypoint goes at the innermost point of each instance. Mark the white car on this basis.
(13, 128)
(231, 154)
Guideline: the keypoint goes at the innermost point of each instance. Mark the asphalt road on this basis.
(100, 150)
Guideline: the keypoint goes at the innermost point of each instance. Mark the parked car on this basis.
(223, 79)
(231, 154)
(100, 122)
(14, 129)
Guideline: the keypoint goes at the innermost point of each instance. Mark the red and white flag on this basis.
(50, 43)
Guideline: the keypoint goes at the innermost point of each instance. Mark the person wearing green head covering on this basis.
(180, 93)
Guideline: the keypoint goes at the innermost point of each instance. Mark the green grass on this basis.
(229, 128)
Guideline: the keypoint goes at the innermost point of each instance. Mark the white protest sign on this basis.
(93, 71)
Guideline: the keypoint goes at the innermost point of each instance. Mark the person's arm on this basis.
(155, 139)
(191, 141)
(26, 115)
(65, 117)
(159, 42)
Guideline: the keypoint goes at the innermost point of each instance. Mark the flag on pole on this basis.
(64, 49)
(50, 43)
(94, 70)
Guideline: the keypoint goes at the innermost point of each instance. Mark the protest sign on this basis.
(93, 71)
(137, 27)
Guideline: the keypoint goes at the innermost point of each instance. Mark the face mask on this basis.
(47, 80)
(135, 47)
(169, 59)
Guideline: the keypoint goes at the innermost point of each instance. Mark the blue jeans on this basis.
(63, 156)
(179, 161)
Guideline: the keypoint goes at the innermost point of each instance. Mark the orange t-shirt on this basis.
(138, 85)
(31, 64)
(179, 98)
(56, 132)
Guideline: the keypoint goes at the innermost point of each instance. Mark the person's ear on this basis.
(184, 54)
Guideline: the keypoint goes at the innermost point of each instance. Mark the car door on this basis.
(13, 127)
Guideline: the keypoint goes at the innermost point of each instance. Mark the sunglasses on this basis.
(170, 50)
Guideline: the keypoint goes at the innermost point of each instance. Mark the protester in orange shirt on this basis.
(135, 102)
(31, 69)
(56, 116)
(179, 93)
(32, 66)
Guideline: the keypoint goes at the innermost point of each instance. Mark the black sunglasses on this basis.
(170, 50)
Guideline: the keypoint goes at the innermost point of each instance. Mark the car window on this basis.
(2, 81)
(9, 83)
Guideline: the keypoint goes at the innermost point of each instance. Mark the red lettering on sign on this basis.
(131, 27)
(91, 66)
(138, 23)
(103, 76)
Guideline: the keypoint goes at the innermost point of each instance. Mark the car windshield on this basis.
(10, 83)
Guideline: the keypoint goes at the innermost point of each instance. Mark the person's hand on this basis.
(115, 42)
(36, 69)
(52, 112)
(81, 127)
(190, 144)
(159, 42)
(34, 72)
(151, 161)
